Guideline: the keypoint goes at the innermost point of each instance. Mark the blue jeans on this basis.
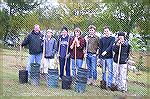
(67, 68)
(107, 64)
(91, 61)
(79, 63)
(31, 59)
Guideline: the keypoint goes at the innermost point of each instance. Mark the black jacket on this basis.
(125, 49)
(34, 42)
(105, 44)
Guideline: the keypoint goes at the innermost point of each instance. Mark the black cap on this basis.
(64, 28)
(121, 34)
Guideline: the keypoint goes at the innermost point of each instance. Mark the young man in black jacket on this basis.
(34, 41)
(106, 54)
(121, 49)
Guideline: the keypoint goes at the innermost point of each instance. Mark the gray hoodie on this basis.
(50, 48)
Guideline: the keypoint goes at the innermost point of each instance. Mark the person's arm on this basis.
(71, 43)
(24, 43)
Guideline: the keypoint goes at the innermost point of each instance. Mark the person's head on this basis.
(77, 31)
(106, 31)
(36, 28)
(92, 30)
(49, 33)
(121, 36)
(64, 30)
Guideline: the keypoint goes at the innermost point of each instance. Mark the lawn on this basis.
(11, 64)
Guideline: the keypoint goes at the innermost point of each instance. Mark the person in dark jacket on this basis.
(106, 54)
(49, 51)
(34, 41)
(121, 49)
(63, 52)
(77, 43)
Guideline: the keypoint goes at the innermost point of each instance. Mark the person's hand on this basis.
(85, 55)
(104, 53)
(67, 56)
(57, 56)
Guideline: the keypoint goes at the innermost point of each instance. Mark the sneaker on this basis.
(89, 82)
(94, 82)
(103, 84)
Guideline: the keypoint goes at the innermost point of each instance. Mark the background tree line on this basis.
(131, 16)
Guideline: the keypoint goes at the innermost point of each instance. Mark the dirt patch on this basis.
(140, 84)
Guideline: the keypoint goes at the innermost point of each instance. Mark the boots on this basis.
(94, 83)
(114, 88)
(103, 84)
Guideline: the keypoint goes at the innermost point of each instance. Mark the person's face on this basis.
(77, 33)
(49, 34)
(37, 28)
(64, 32)
(91, 31)
(121, 38)
(106, 32)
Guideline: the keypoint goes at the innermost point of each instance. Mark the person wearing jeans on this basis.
(34, 41)
(91, 54)
(63, 52)
(106, 54)
(77, 43)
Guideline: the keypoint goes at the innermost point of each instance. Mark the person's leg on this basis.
(52, 63)
(115, 74)
(94, 68)
(79, 63)
(123, 77)
(46, 63)
(62, 63)
(30, 60)
(109, 63)
(104, 70)
(73, 67)
(38, 58)
(88, 62)
(68, 67)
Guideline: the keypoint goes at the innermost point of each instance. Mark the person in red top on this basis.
(77, 45)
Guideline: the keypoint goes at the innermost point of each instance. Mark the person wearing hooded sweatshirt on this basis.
(50, 51)
(63, 52)
(79, 43)
(120, 64)
(34, 41)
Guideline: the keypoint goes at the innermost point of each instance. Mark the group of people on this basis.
(72, 51)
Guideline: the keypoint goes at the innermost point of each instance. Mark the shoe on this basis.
(123, 91)
(94, 82)
(90, 80)
(103, 84)
(113, 88)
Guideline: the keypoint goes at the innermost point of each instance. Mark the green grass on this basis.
(11, 86)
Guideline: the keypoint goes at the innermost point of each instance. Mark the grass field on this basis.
(11, 63)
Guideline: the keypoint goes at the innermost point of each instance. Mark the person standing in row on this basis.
(63, 52)
(77, 43)
(106, 54)
(121, 49)
(91, 57)
(50, 47)
(34, 41)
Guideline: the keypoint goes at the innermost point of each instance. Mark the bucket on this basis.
(66, 82)
(73, 82)
(23, 76)
(35, 74)
(81, 80)
(52, 78)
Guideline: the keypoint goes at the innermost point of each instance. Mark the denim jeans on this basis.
(67, 68)
(107, 64)
(91, 61)
(31, 59)
(79, 63)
